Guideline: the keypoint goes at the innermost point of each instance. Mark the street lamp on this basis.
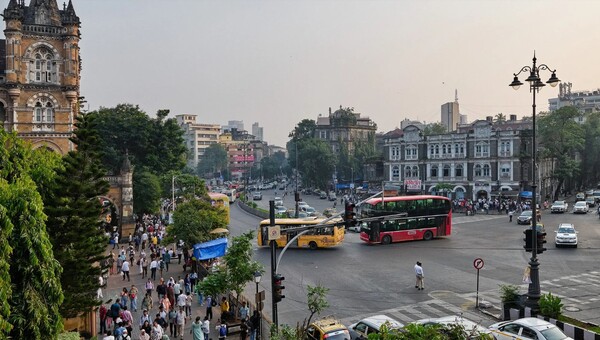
(535, 84)
(257, 277)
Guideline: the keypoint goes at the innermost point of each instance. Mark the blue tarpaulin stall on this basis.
(526, 194)
(211, 249)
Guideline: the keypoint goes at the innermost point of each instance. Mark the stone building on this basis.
(40, 73)
(345, 127)
(481, 159)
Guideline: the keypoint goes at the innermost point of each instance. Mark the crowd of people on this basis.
(165, 304)
(497, 205)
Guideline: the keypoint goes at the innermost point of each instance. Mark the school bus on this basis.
(220, 201)
(321, 237)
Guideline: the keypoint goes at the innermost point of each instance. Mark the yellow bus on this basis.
(322, 237)
(220, 201)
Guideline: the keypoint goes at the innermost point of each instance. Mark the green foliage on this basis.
(304, 130)
(156, 144)
(69, 336)
(509, 294)
(213, 160)
(316, 161)
(214, 284)
(33, 272)
(550, 305)
(270, 166)
(434, 129)
(146, 192)
(240, 265)
(317, 300)
(500, 118)
(73, 224)
(415, 331)
(285, 332)
(186, 186)
(193, 220)
(343, 117)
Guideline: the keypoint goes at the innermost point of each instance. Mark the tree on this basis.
(434, 129)
(317, 301)
(561, 137)
(156, 144)
(214, 160)
(193, 221)
(73, 225)
(444, 187)
(500, 118)
(240, 267)
(317, 162)
(146, 192)
(304, 130)
(33, 273)
(185, 186)
(590, 160)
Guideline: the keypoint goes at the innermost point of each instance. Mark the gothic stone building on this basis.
(481, 159)
(39, 73)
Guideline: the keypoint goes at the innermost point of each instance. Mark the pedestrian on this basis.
(180, 322)
(161, 289)
(145, 319)
(99, 295)
(173, 322)
(188, 305)
(196, 330)
(125, 270)
(244, 329)
(147, 302)
(133, 295)
(108, 336)
(209, 306)
(103, 311)
(153, 266)
(167, 259)
(254, 325)
(161, 265)
(244, 312)
(144, 334)
(124, 297)
(419, 273)
(510, 216)
(206, 327)
(157, 331)
(149, 287)
(221, 329)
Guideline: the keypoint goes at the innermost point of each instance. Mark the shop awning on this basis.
(211, 249)
(525, 194)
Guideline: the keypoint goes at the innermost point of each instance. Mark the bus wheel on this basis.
(428, 235)
(386, 239)
(313, 245)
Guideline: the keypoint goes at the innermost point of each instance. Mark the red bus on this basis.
(404, 218)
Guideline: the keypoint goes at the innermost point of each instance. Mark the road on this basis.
(366, 280)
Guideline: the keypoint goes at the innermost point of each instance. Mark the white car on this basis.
(280, 209)
(302, 204)
(355, 228)
(469, 326)
(372, 325)
(580, 207)
(566, 235)
(527, 329)
(559, 207)
(278, 201)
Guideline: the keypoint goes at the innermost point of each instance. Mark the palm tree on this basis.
(500, 118)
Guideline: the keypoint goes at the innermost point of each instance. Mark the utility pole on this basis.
(273, 263)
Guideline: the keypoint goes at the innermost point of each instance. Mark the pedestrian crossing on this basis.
(457, 219)
(433, 308)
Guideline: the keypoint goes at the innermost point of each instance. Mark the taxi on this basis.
(329, 329)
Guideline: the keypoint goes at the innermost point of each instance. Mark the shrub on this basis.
(69, 336)
(550, 306)
(509, 294)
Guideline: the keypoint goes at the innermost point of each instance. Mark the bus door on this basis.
(374, 235)
(290, 236)
(264, 233)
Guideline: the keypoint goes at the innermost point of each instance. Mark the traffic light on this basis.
(278, 287)
(528, 240)
(541, 239)
(349, 216)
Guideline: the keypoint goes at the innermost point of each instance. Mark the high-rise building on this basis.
(233, 124)
(198, 137)
(39, 73)
(450, 116)
(257, 131)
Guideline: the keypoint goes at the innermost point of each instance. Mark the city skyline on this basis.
(277, 63)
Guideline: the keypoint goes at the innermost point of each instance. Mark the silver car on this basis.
(580, 207)
(527, 329)
(566, 235)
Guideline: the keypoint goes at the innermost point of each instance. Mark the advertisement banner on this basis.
(412, 184)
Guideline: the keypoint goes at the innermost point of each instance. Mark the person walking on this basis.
(196, 330)
(125, 270)
(254, 325)
(103, 311)
(149, 287)
(209, 306)
(419, 273)
(510, 216)
(180, 322)
(153, 266)
(173, 322)
(206, 328)
(147, 302)
(133, 296)
(222, 330)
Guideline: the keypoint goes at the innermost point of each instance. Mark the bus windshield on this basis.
(220, 201)
(319, 237)
(408, 218)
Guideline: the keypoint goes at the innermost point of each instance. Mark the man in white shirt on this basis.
(125, 270)
(419, 273)
(181, 299)
(153, 266)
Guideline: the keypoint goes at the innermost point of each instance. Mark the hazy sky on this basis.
(278, 62)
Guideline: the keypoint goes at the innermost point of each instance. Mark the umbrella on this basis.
(220, 231)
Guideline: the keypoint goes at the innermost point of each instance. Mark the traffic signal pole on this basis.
(273, 264)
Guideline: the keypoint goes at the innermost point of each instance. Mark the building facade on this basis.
(450, 116)
(345, 127)
(478, 160)
(585, 101)
(40, 73)
(257, 132)
(198, 137)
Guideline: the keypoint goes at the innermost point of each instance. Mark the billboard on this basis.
(412, 184)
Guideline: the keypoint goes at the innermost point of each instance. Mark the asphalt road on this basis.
(367, 279)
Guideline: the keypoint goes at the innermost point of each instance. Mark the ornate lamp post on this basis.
(535, 84)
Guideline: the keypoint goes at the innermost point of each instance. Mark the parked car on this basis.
(257, 196)
(580, 207)
(278, 201)
(559, 207)
(310, 211)
(280, 210)
(322, 195)
(566, 235)
(469, 326)
(526, 329)
(329, 329)
(580, 196)
(332, 197)
(302, 204)
(525, 217)
(372, 325)
(591, 202)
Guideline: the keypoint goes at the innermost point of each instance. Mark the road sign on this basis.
(478, 263)
(274, 233)
(260, 306)
(260, 296)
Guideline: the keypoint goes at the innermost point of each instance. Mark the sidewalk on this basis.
(116, 284)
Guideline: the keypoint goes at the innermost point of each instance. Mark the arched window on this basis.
(407, 173)
(395, 173)
(415, 171)
(3, 117)
(486, 170)
(437, 149)
(456, 149)
(43, 112)
(42, 69)
(434, 171)
(446, 170)
(411, 152)
(458, 170)
(477, 170)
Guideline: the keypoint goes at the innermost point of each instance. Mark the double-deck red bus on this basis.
(404, 218)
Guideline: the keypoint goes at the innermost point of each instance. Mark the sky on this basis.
(278, 62)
